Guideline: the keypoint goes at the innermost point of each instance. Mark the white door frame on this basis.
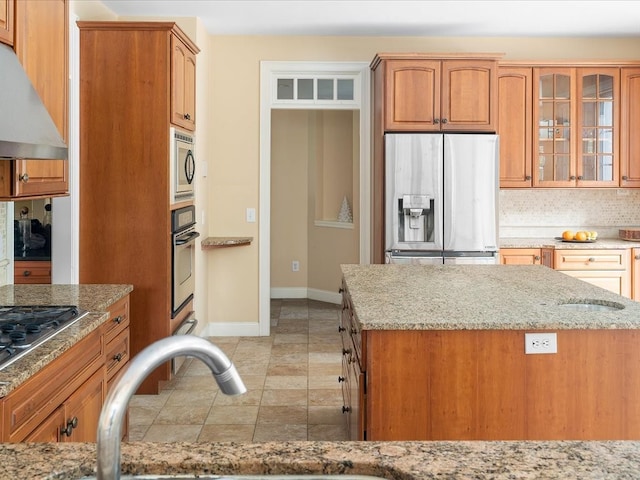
(269, 72)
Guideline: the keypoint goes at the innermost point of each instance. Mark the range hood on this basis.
(26, 128)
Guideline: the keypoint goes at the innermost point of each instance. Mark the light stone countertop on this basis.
(96, 299)
(479, 297)
(390, 460)
(550, 242)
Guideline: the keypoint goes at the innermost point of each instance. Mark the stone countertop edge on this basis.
(546, 242)
(479, 297)
(210, 243)
(497, 460)
(96, 299)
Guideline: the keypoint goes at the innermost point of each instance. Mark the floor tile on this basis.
(178, 433)
(284, 397)
(283, 414)
(285, 382)
(279, 433)
(227, 433)
(193, 415)
(238, 414)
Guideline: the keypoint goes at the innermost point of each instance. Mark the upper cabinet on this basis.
(6, 21)
(424, 93)
(630, 127)
(515, 96)
(41, 44)
(183, 84)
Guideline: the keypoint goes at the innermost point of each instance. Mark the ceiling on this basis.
(399, 18)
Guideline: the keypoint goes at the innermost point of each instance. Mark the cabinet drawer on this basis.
(118, 320)
(117, 353)
(32, 272)
(591, 259)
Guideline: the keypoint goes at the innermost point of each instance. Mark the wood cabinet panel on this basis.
(6, 21)
(49, 430)
(520, 256)
(515, 95)
(183, 87)
(29, 272)
(82, 410)
(635, 274)
(630, 126)
(608, 269)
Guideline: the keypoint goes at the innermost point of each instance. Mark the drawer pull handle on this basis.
(24, 178)
(346, 351)
(118, 357)
(341, 329)
(346, 409)
(341, 379)
(591, 259)
(26, 273)
(118, 319)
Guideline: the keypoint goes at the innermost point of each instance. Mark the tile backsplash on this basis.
(545, 212)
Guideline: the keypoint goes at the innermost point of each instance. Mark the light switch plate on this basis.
(251, 215)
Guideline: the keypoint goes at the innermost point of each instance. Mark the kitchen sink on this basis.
(592, 306)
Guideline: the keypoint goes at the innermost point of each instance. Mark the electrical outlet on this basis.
(540, 343)
(251, 215)
(295, 266)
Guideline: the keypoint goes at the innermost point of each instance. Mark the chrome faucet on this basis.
(115, 405)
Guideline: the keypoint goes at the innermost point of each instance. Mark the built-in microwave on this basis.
(183, 165)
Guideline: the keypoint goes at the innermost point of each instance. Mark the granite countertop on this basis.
(479, 297)
(222, 242)
(550, 242)
(96, 299)
(391, 460)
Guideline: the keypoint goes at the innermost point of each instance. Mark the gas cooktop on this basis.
(24, 327)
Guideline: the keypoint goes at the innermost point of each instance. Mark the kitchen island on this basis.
(437, 352)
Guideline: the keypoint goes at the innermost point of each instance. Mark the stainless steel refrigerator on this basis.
(441, 198)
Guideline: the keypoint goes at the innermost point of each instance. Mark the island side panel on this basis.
(443, 385)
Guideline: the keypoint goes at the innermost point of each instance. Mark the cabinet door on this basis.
(41, 45)
(554, 118)
(82, 410)
(29, 272)
(598, 94)
(412, 95)
(469, 100)
(514, 125)
(6, 21)
(630, 126)
(520, 256)
(183, 87)
(49, 430)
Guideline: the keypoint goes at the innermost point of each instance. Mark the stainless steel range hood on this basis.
(26, 128)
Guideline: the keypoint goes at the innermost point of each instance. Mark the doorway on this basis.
(316, 91)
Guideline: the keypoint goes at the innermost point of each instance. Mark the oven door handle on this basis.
(190, 237)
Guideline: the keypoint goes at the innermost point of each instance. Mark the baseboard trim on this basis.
(231, 329)
(310, 293)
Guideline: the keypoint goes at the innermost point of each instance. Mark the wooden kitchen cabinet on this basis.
(527, 256)
(41, 44)
(31, 271)
(630, 126)
(608, 269)
(6, 21)
(575, 134)
(183, 87)
(635, 274)
(126, 72)
(515, 96)
(426, 93)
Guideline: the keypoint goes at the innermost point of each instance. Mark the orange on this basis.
(581, 236)
(567, 235)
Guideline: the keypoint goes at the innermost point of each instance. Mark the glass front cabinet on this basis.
(575, 136)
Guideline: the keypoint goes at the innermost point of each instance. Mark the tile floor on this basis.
(291, 378)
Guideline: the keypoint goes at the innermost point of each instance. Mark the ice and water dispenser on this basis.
(415, 218)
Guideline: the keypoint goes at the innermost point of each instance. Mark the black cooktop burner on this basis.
(22, 328)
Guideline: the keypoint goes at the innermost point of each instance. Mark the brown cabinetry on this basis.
(515, 96)
(608, 269)
(41, 44)
(32, 271)
(6, 21)
(430, 94)
(126, 72)
(635, 274)
(630, 126)
(527, 256)
(183, 87)
(63, 401)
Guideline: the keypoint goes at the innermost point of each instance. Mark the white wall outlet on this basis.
(251, 215)
(204, 168)
(295, 266)
(540, 343)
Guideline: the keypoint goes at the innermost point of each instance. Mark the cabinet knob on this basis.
(341, 329)
(24, 178)
(572, 177)
(346, 409)
(71, 424)
(117, 357)
(625, 178)
(118, 319)
(580, 177)
(436, 120)
(637, 257)
(591, 259)
(537, 257)
(26, 273)
(444, 120)
(340, 290)
(341, 379)
(346, 351)
(527, 177)
(187, 116)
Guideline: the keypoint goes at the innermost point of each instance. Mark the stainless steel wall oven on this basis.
(184, 234)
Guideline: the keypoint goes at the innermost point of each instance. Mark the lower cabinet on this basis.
(63, 401)
(28, 272)
(635, 274)
(608, 269)
(527, 256)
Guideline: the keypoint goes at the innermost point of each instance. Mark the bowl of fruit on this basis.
(581, 236)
